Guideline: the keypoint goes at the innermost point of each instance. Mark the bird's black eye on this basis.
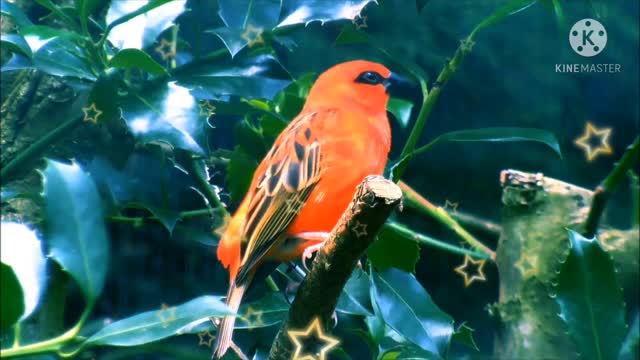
(370, 77)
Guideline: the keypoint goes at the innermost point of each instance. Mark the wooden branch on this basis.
(374, 200)
(537, 212)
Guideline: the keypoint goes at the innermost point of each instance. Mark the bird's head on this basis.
(357, 82)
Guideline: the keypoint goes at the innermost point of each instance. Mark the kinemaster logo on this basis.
(588, 38)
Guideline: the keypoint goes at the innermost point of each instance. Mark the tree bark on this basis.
(537, 213)
(374, 200)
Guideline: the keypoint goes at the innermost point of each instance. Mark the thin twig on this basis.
(470, 221)
(607, 187)
(37, 149)
(412, 198)
(429, 241)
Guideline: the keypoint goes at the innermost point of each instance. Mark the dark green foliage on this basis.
(158, 324)
(590, 300)
(392, 250)
(407, 308)
(137, 59)
(16, 43)
(355, 295)
(76, 233)
(11, 298)
(12, 10)
(187, 103)
(168, 114)
(464, 335)
(484, 135)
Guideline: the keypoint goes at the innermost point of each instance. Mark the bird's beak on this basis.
(400, 87)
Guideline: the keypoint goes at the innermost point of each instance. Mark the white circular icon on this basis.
(588, 37)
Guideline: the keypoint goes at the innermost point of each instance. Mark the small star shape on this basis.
(166, 49)
(585, 141)
(166, 314)
(293, 204)
(462, 270)
(360, 22)
(253, 35)
(205, 338)
(360, 229)
(253, 317)
(206, 108)
(527, 265)
(314, 327)
(451, 206)
(91, 113)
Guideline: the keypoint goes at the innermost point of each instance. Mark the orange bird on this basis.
(307, 179)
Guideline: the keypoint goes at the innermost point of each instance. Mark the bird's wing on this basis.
(281, 185)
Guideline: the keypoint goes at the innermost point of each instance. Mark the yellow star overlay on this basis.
(360, 22)
(584, 141)
(527, 265)
(314, 327)
(462, 270)
(294, 204)
(253, 35)
(253, 317)
(166, 49)
(360, 229)
(205, 338)
(91, 113)
(206, 108)
(451, 206)
(166, 314)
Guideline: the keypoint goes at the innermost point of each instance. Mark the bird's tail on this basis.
(225, 330)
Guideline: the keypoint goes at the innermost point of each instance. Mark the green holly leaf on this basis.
(14, 11)
(159, 324)
(128, 187)
(350, 35)
(16, 44)
(260, 76)
(76, 231)
(355, 298)
(12, 299)
(497, 134)
(239, 173)
(391, 250)
(137, 24)
(407, 308)
(590, 299)
(55, 52)
(464, 336)
(168, 113)
(296, 12)
(401, 110)
(138, 59)
(22, 252)
(631, 346)
(86, 8)
(103, 101)
(245, 21)
(270, 310)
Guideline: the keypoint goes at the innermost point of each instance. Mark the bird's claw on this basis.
(308, 254)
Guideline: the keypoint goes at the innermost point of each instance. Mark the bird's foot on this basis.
(308, 253)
